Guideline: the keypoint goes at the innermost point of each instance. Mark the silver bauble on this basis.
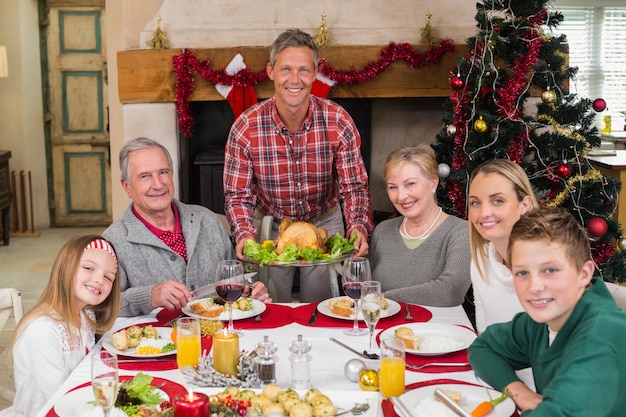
(444, 170)
(353, 369)
(451, 130)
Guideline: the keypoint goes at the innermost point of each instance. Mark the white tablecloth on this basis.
(327, 368)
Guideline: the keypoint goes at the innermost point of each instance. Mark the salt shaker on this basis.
(266, 361)
(300, 363)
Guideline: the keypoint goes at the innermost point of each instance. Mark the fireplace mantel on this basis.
(147, 76)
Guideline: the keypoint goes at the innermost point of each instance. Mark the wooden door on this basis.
(79, 137)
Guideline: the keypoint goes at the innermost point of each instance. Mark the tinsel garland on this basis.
(591, 175)
(601, 252)
(187, 62)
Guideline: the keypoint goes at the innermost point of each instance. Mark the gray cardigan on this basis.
(436, 273)
(146, 261)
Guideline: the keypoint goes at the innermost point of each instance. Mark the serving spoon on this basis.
(356, 410)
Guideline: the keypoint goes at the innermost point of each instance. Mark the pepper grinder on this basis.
(266, 361)
(300, 363)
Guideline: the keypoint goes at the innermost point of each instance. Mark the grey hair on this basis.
(293, 38)
(138, 144)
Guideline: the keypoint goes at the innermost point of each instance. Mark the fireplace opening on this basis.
(202, 154)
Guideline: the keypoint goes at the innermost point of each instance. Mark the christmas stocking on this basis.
(239, 98)
(322, 85)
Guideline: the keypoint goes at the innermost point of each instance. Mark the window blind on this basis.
(597, 46)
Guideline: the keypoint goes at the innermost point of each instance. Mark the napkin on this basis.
(302, 314)
(275, 315)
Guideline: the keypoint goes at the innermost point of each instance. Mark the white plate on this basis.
(464, 336)
(257, 308)
(164, 333)
(471, 396)
(323, 307)
(76, 403)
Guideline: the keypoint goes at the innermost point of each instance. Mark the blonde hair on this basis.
(422, 156)
(522, 187)
(57, 300)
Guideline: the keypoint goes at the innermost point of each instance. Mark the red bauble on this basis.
(563, 170)
(457, 83)
(599, 104)
(597, 227)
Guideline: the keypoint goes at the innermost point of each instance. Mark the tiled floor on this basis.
(25, 264)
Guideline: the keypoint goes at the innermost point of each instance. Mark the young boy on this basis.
(572, 334)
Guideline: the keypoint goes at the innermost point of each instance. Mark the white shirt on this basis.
(43, 358)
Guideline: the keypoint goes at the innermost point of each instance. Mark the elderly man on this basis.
(165, 248)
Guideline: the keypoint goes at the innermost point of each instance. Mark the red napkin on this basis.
(303, 313)
(389, 410)
(165, 316)
(275, 315)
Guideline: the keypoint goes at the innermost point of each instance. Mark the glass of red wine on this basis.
(230, 283)
(355, 270)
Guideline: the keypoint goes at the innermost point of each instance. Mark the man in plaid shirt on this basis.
(296, 156)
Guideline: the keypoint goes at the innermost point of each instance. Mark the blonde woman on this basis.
(422, 256)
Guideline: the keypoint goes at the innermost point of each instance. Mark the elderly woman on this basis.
(422, 256)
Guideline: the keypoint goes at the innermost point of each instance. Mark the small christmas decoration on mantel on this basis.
(322, 37)
(428, 35)
(159, 38)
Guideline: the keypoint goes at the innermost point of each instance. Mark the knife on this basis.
(397, 403)
(313, 316)
(450, 403)
(210, 289)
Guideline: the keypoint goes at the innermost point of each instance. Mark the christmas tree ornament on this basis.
(563, 170)
(444, 170)
(597, 227)
(457, 83)
(368, 380)
(548, 96)
(480, 125)
(353, 369)
(322, 37)
(622, 242)
(159, 38)
(451, 130)
(428, 36)
(599, 104)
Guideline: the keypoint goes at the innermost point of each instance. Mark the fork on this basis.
(408, 316)
(426, 365)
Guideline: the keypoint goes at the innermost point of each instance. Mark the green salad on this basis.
(136, 392)
(265, 254)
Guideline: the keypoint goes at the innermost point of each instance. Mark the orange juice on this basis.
(391, 376)
(188, 350)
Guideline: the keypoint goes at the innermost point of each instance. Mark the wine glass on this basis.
(371, 305)
(230, 283)
(355, 270)
(104, 379)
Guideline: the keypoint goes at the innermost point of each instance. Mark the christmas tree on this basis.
(510, 99)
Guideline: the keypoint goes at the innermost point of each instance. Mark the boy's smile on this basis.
(547, 283)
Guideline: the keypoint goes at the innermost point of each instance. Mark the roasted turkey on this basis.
(303, 234)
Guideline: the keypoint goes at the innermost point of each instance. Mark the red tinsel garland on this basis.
(187, 62)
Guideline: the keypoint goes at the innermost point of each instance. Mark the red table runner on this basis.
(275, 315)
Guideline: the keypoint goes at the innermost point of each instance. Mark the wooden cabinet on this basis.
(5, 194)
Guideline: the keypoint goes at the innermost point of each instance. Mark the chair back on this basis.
(10, 302)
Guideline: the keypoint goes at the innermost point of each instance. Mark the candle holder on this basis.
(191, 404)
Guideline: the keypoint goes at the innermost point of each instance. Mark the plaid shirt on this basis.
(297, 176)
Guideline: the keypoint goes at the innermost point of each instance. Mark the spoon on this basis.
(356, 410)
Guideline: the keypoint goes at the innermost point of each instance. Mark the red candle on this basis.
(191, 404)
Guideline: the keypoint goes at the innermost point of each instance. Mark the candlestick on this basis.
(191, 404)
(226, 353)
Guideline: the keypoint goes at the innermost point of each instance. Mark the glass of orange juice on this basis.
(188, 348)
(391, 372)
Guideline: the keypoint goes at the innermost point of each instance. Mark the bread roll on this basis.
(341, 306)
(120, 340)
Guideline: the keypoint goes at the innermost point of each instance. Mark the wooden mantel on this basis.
(147, 76)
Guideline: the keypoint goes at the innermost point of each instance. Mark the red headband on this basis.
(102, 244)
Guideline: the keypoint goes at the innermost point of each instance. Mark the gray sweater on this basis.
(436, 273)
(146, 261)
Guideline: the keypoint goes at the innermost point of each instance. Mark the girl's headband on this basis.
(102, 244)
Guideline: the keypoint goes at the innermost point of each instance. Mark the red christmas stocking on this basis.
(239, 98)
(322, 85)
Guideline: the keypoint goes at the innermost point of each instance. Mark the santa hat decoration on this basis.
(239, 98)
(322, 85)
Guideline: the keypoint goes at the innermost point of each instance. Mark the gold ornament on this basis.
(428, 36)
(159, 38)
(322, 37)
(480, 125)
(368, 380)
(548, 96)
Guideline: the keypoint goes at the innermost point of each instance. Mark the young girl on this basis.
(80, 300)
(499, 193)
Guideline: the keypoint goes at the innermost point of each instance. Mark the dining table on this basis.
(282, 324)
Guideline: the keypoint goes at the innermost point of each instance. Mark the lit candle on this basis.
(191, 404)
(226, 353)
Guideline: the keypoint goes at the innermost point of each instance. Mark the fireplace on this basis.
(202, 155)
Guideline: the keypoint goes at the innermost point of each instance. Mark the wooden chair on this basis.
(10, 302)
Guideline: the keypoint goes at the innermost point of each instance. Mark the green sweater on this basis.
(583, 372)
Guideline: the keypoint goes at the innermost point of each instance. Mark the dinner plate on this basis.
(257, 308)
(301, 262)
(471, 396)
(164, 335)
(444, 338)
(76, 402)
(323, 307)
